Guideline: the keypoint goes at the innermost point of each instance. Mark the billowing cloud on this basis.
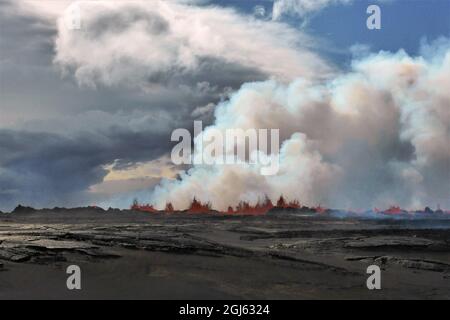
(139, 69)
(148, 44)
(301, 7)
(375, 136)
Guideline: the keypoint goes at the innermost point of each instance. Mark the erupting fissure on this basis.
(243, 208)
(263, 207)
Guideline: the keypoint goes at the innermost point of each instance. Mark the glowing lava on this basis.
(243, 208)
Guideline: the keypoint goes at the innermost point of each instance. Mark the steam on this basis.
(375, 136)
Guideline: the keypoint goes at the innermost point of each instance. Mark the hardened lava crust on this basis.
(125, 254)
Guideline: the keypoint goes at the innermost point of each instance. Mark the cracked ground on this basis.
(125, 254)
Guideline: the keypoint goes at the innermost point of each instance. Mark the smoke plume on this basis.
(375, 136)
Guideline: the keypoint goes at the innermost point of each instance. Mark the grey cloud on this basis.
(16, 27)
(44, 169)
(108, 22)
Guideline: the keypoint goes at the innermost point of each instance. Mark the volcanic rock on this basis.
(23, 209)
(374, 242)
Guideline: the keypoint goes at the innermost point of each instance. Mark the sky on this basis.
(86, 115)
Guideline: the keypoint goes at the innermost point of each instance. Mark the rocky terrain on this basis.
(128, 254)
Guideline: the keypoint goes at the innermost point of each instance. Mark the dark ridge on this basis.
(23, 209)
(302, 210)
(113, 210)
(318, 213)
(74, 210)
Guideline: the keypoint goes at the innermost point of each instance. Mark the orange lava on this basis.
(394, 210)
(244, 208)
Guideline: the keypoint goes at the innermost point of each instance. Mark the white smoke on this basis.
(376, 136)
